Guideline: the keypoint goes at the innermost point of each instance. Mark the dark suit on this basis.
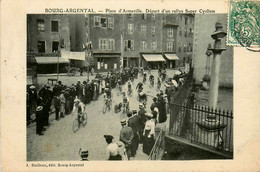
(135, 123)
(126, 136)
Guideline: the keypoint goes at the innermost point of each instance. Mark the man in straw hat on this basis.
(126, 136)
(39, 120)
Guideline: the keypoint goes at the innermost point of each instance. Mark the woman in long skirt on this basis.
(148, 134)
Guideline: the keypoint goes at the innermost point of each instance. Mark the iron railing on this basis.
(158, 147)
(203, 125)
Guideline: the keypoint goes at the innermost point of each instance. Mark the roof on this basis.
(172, 57)
(50, 60)
(153, 57)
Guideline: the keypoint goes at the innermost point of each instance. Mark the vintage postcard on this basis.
(130, 86)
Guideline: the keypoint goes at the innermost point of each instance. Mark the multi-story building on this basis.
(45, 34)
(142, 39)
(111, 40)
(184, 46)
(104, 35)
(169, 43)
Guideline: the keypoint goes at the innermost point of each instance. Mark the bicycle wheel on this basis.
(104, 108)
(75, 125)
(84, 122)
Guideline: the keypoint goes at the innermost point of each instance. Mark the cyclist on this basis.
(129, 87)
(142, 98)
(144, 79)
(151, 78)
(78, 108)
(159, 83)
(125, 102)
(107, 94)
(118, 86)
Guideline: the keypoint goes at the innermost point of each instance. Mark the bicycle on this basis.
(125, 108)
(130, 92)
(81, 119)
(107, 105)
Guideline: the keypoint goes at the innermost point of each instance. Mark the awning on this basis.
(153, 57)
(50, 60)
(172, 57)
(73, 55)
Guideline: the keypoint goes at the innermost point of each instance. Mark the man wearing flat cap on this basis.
(126, 136)
(135, 122)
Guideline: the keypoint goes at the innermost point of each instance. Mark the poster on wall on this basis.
(115, 65)
(105, 66)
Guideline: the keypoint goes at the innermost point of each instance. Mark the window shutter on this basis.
(126, 44)
(132, 45)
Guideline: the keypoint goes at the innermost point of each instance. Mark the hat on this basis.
(84, 154)
(59, 82)
(76, 100)
(123, 122)
(156, 109)
(48, 86)
(142, 93)
(141, 105)
(134, 111)
(129, 113)
(108, 136)
(155, 99)
(32, 87)
(149, 115)
(39, 108)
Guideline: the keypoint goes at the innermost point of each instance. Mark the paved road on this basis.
(60, 143)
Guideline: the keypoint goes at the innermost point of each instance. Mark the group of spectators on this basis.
(138, 128)
(62, 96)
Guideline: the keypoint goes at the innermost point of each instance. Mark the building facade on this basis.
(185, 36)
(113, 41)
(45, 34)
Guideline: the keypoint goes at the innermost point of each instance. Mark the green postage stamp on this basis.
(243, 23)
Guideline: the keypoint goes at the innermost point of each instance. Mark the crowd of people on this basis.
(62, 96)
(139, 125)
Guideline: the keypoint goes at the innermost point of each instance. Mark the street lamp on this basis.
(218, 35)
(211, 124)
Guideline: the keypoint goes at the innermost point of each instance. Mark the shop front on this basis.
(48, 65)
(171, 60)
(152, 60)
(106, 62)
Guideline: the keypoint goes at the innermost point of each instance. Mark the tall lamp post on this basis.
(218, 35)
(211, 124)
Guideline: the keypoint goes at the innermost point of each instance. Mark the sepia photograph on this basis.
(128, 87)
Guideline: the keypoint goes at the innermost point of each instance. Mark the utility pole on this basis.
(122, 49)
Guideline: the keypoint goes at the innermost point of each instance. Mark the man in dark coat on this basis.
(32, 101)
(142, 113)
(126, 136)
(39, 121)
(135, 122)
(162, 110)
